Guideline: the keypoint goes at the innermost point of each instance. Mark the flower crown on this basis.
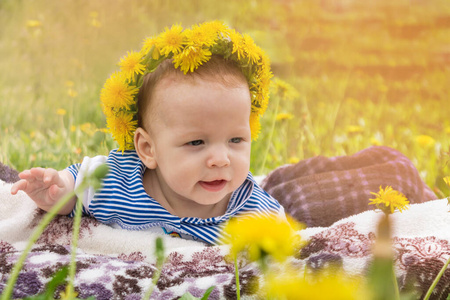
(188, 49)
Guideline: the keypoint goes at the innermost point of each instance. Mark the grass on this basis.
(365, 73)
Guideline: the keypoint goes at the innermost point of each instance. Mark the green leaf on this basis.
(208, 292)
(38, 297)
(58, 279)
(188, 296)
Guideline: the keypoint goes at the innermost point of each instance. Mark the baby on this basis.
(184, 111)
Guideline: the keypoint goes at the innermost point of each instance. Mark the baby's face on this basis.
(202, 138)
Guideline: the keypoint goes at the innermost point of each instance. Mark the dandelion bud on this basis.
(101, 171)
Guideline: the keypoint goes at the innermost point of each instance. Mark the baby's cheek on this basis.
(243, 162)
(244, 169)
(180, 181)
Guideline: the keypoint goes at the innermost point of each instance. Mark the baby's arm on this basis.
(46, 187)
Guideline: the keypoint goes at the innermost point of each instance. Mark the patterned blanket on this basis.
(320, 191)
(119, 264)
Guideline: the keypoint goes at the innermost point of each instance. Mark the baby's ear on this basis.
(145, 148)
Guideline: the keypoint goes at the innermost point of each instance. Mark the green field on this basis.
(360, 73)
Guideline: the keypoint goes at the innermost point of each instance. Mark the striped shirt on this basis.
(123, 201)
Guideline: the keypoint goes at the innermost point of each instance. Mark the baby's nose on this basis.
(218, 157)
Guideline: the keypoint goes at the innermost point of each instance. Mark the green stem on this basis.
(236, 272)
(269, 139)
(341, 98)
(394, 279)
(263, 263)
(48, 217)
(75, 237)
(436, 280)
(155, 279)
(159, 251)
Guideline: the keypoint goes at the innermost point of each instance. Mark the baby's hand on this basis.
(46, 187)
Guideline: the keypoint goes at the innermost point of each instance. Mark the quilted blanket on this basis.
(119, 264)
(322, 190)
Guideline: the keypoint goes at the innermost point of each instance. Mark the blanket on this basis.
(320, 191)
(119, 264)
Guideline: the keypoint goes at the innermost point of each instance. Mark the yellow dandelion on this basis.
(34, 24)
(447, 180)
(425, 141)
(291, 285)
(374, 141)
(199, 36)
(284, 116)
(191, 58)
(72, 93)
(264, 78)
(260, 97)
(117, 93)
(351, 129)
(389, 200)
(68, 294)
(257, 99)
(148, 45)
(260, 236)
(238, 43)
(265, 64)
(171, 40)
(218, 27)
(69, 83)
(87, 128)
(108, 111)
(251, 49)
(293, 160)
(73, 128)
(61, 112)
(383, 88)
(131, 64)
(122, 127)
(94, 19)
(283, 89)
(95, 23)
(255, 125)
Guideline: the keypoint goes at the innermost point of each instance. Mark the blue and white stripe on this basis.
(122, 200)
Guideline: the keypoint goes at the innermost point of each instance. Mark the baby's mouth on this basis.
(213, 186)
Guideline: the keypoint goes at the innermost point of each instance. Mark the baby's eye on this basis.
(236, 140)
(196, 143)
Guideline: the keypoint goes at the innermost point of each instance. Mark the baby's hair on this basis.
(217, 69)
